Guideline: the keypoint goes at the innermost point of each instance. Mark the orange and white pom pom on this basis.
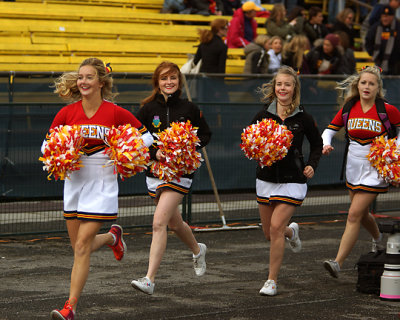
(62, 151)
(266, 141)
(178, 143)
(384, 156)
(127, 151)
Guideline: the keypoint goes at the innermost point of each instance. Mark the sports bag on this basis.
(370, 268)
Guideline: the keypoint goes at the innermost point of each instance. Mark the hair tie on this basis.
(108, 68)
(377, 67)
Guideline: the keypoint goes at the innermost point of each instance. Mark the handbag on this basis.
(190, 68)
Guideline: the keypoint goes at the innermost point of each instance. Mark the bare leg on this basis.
(274, 219)
(183, 231)
(280, 218)
(82, 250)
(358, 211)
(166, 208)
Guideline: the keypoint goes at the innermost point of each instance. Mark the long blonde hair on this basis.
(268, 89)
(348, 88)
(297, 46)
(66, 85)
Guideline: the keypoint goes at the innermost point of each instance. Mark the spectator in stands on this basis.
(314, 28)
(243, 27)
(173, 6)
(212, 49)
(158, 111)
(91, 193)
(203, 7)
(298, 16)
(363, 92)
(349, 60)
(263, 12)
(282, 186)
(257, 58)
(277, 24)
(293, 53)
(325, 58)
(375, 15)
(230, 6)
(344, 22)
(383, 42)
(275, 54)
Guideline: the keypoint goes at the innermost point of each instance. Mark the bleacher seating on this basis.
(56, 35)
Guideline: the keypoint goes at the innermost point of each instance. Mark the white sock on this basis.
(114, 239)
(293, 234)
(380, 238)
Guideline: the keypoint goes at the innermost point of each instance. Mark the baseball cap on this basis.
(388, 10)
(249, 6)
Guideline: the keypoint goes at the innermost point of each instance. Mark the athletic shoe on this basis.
(269, 288)
(295, 242)
(377, 245)
(119, 248)
(67, 313)
(332, 267)
(199, 263)
(143, 284)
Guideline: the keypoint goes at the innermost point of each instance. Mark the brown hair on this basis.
(66, 85)
(342, 15)
(216, 25)
(277, 14)
(172, 68)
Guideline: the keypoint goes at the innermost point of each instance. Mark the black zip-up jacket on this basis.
(290, 168)
(158, 114)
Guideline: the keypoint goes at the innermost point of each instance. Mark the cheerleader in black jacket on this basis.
(158, 111)
(282, 186)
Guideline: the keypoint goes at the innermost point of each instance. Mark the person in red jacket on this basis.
(243, 27)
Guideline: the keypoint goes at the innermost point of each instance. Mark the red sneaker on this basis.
(119, 248)
(67, 313)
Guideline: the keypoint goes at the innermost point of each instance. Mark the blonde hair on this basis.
(261, 39)
(348, 88)
(66, 85)
(297, 46)
(342, 15)
(268, 89)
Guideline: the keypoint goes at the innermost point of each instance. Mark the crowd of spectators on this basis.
(300, 37)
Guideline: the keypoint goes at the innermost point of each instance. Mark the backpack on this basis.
(370, 268)
(382, 114)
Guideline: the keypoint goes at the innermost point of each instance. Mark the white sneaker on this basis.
(199, 263)
(332, 267)
(269, 288)
(295, 242)
(143, 284)
(378, 245)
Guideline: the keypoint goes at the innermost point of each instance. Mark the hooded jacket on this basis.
(257, 59)
(290, 168)
(158, 114)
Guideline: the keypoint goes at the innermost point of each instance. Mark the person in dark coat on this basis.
(325, 58)
(383, 42)
(212, 50)
(314, 27)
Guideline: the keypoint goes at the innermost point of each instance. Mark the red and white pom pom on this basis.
(62, 151)
(127, 151)
(384, 156)
(178, 143)
(266, 141)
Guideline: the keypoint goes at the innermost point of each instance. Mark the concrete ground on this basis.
(35, 279)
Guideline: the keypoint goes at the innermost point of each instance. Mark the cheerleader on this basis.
(91, 193)
(363, 94)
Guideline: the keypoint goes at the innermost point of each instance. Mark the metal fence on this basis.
(29, 203)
